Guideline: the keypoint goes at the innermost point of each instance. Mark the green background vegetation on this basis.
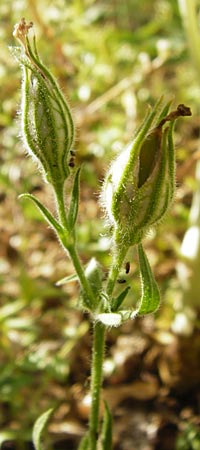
(112, 59)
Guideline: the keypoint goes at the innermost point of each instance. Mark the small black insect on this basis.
(127, 267)
(121, 281)
(71, 162)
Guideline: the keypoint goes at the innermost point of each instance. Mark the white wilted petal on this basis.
(109, 319)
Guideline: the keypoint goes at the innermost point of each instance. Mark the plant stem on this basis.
(98, 328)
(59, 194)
(81, 275)
(70, 244)
(118, 259)
(96, 381)
(98, 355)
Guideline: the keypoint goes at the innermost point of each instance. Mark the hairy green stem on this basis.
(118, 259)
(81, 275)
(96, 382)
(98, 328)
(70, 244)
(60, 200)
(98, 355)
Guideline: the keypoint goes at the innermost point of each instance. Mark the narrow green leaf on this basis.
(116, 302)
(66, 280)
(73, 208)
(45, 212)
(106, 434)
(84, 444)
(164, 109)
(150, 299)
(39, 429)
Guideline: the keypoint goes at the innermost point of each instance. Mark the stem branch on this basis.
(70, 245)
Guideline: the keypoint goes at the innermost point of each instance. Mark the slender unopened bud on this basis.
(47, 124)
(94, 277)
(139, 186)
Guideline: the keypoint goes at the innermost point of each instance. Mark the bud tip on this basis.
(21, 30)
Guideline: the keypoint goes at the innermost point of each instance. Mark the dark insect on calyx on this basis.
(121, 281)
(127, 267)
(71, 162)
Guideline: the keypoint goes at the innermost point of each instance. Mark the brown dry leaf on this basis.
(138, 390)
(69, 427)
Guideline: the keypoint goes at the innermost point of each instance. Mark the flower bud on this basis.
(139, 186)
(47, 124)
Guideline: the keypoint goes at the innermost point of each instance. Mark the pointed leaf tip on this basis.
(39, 428)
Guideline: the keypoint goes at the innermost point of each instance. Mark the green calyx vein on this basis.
(46, 118)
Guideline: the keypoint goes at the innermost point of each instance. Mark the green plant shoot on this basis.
(137, 192)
